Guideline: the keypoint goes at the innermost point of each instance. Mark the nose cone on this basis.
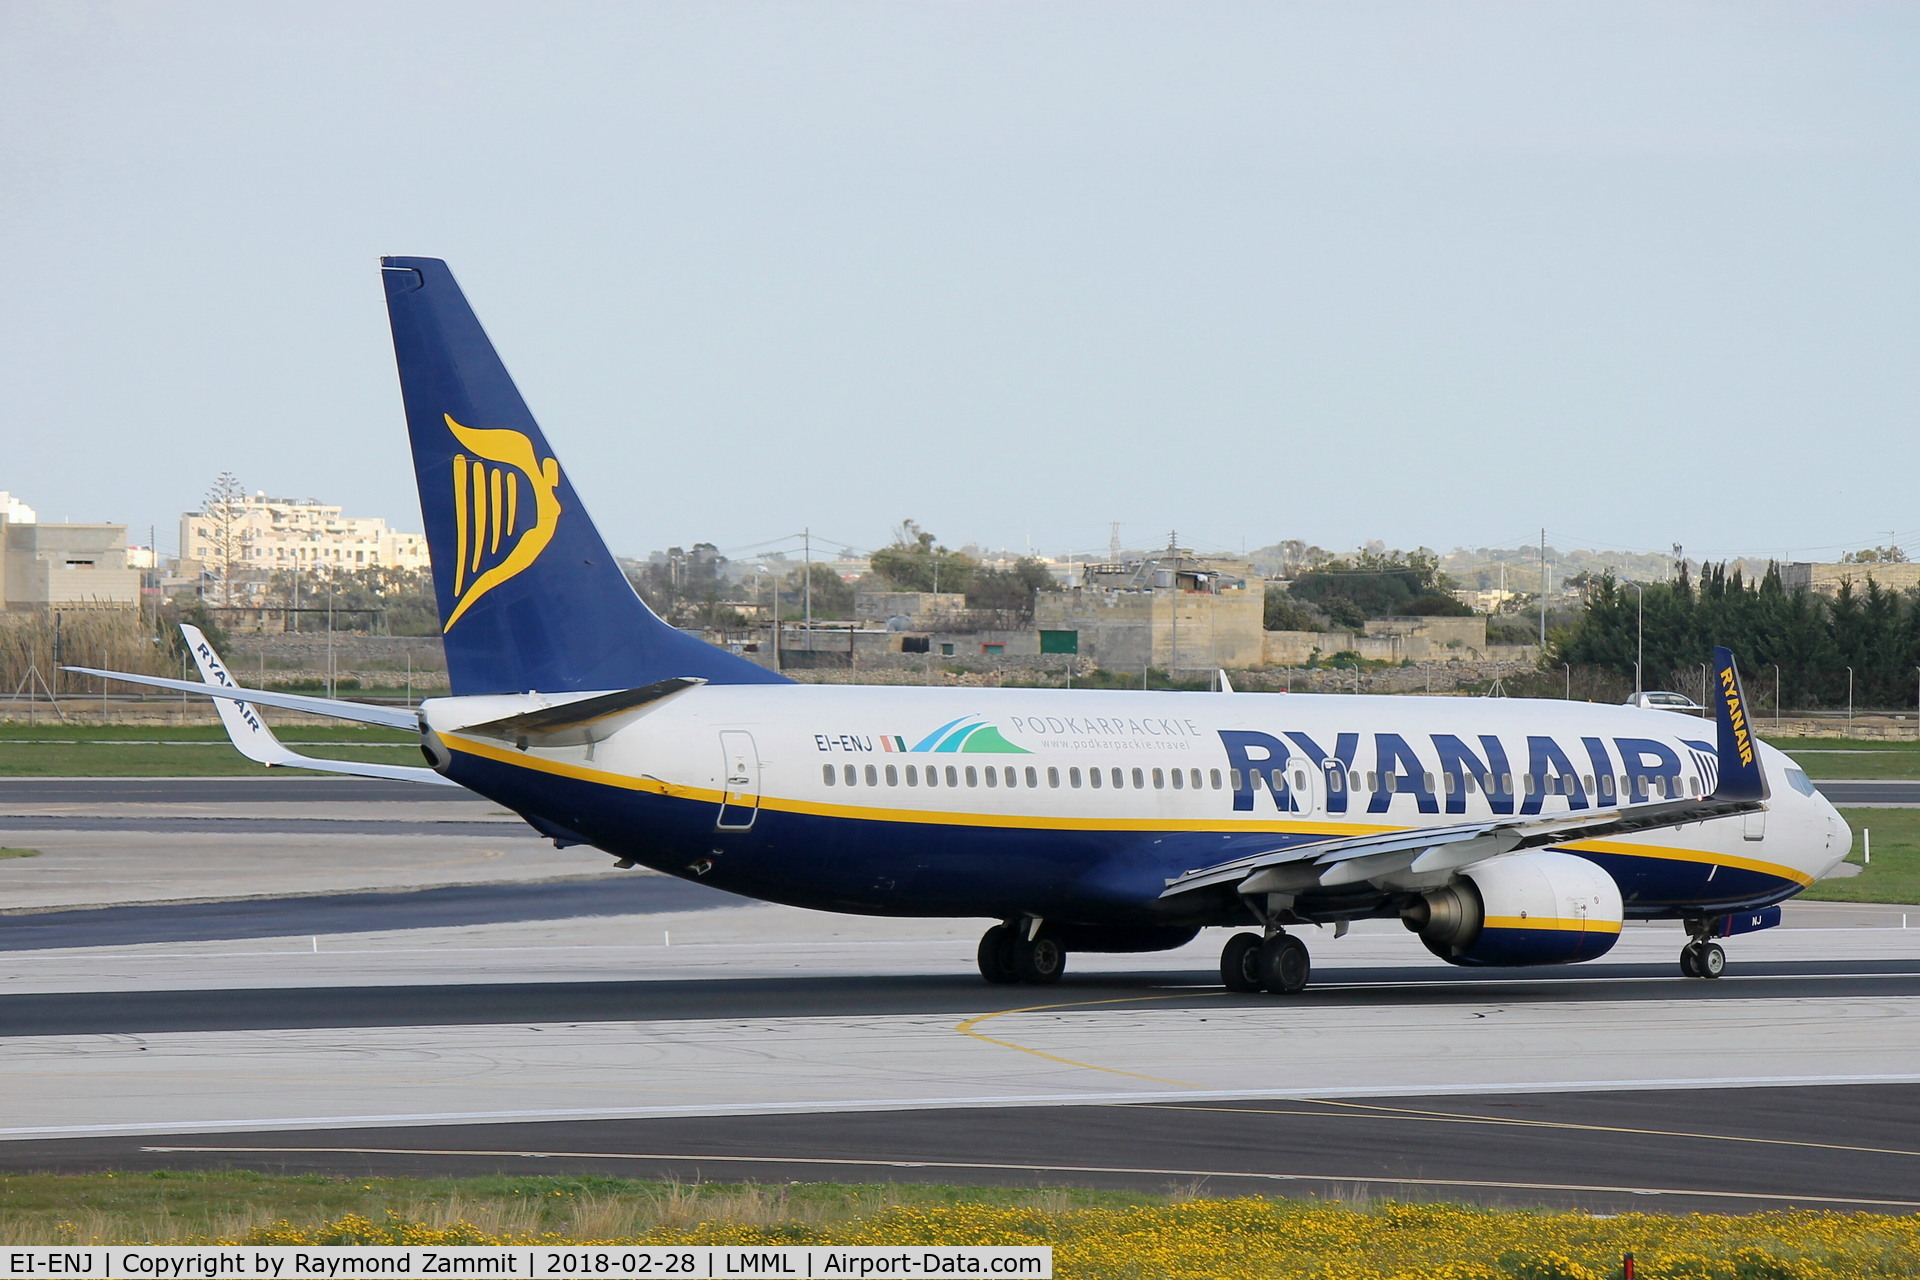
(1839, 836)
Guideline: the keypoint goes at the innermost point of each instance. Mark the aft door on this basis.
(740, 803)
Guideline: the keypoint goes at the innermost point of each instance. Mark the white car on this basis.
(1662, 700)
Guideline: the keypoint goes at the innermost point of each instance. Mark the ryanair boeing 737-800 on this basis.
(1501, 831)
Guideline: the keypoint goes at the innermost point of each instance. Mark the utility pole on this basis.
(806, 536)
(1543, 589)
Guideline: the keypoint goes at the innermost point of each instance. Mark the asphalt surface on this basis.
(250, 1009)
(458, 905)
(1872, 792)
(1846, 1147)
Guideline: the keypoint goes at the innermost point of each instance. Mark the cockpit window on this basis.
(1798, 780)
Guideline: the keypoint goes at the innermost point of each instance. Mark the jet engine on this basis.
(1540, 907)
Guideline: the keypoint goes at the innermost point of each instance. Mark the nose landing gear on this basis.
(1703, 959)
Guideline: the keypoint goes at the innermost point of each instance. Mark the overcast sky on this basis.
(1430, 273)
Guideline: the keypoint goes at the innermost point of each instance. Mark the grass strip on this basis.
(1894, 873)
(1095, 1234)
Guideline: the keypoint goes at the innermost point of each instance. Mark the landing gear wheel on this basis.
(1041, 961)
(1690, 960)
(1284, 966)
(997, 956)
(1711, 960)
(1240, 962)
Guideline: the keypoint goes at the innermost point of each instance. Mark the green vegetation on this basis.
(163, 1207)
(176, 751)
(1894, 873)
(1812, 639)
(1375, 585)
(1852, 757)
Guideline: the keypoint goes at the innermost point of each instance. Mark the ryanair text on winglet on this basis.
(1736, 714)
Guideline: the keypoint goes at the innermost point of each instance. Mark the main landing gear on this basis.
(1021, 952)
(1703, 959)
(1277, 962)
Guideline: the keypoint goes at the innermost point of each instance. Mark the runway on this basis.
(518, 1008)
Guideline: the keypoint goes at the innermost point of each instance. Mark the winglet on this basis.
(1741, 777)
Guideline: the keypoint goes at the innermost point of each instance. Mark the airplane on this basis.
(1502, 832)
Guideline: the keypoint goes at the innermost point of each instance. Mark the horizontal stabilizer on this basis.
(334, 708)
(577, 723)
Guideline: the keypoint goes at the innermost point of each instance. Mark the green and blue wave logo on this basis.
(968, 734)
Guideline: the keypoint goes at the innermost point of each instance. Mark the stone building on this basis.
(1176, 611)
(1826, 578)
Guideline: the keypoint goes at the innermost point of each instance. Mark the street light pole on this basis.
(1849, 702)
(1640, 648)
(1776, 694)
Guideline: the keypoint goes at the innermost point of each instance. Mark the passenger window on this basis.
(1234, 774)
(1093, 779)
(1353, 781)
(1506, 783)
(1139, 780)
(1336, 781)
(1466, 783)
(850, 775)
(1606, 785)
(1529, 782)
(1033, 777)
(1195, 774)
(1179, 780)
(1159, 780)
(1299, 780)
(1428, 779)
(826, 774)
(1586, 784)
(973, 778)
(1390, 783)
(993, 776)
(913, 775)
(873, 776)
(893, 776)
(1073, 778)
(953, 777)
(1215, 775)
(1371, 781)
(1013, 776)
(1451, 783)
(1277, 779)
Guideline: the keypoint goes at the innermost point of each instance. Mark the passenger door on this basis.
(740, 764)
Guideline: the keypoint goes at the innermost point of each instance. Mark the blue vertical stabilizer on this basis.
(530, 598)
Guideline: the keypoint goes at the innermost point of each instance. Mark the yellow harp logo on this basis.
(490, 512)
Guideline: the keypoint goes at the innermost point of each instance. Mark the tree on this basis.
(229, 534)
(1283, 613)
(1010, 590)
(1376, 584)
(915, 562)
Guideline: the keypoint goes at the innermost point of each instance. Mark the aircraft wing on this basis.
(253, 739)
(336, 708)
(1405, 858)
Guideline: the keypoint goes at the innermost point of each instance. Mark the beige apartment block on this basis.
(300, 533)
(1826, 578)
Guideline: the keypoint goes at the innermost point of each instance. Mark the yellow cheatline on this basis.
(967, 1029)
(1450, 1117)
(1703, 856)
(1036, 822)
(459, 522)
(1574, 924)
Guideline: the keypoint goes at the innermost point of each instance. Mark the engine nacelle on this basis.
(1523, 908)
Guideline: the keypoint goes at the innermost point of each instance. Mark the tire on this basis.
(1690, 960)
(1039, 962)
(1240, 963)
(1712, 961)
(1284, 965)
(996, 957)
